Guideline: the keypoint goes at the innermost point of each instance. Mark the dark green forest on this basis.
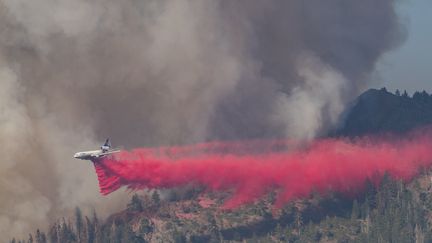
(389, 212)
(380, 111)
(393, 212)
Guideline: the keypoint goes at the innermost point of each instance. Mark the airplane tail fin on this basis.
(107, 145)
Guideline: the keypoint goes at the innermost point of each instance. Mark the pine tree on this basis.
(355, 210)
(79, 223)
(66, 233)
(90, 230)
(279, 233)
(116, 232)
(178, 237)
(298, 220)
(53, 237)
(97, 229)
(40, 237)
(371, 194)
(129, 236)
(397, 93)
(156, 198)
(212, 222)
(135, 204)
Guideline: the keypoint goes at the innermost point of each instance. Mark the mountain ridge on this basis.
(379, 111)
(390, 212)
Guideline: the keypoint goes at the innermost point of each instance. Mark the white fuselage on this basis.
(89, 155)
(93, 155)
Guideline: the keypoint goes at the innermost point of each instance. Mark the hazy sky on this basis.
(410, 66)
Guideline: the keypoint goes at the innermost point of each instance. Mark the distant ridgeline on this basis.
(378, 111)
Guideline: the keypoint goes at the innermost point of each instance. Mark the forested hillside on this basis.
(378, 111)
(393, 212)
(389, 212)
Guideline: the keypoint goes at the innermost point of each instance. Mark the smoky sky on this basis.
(162, 72)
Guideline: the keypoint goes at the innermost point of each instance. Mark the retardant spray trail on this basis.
(327, 165)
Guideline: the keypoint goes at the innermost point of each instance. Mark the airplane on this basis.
(94, 155)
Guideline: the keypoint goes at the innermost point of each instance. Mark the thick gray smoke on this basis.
(157, 72)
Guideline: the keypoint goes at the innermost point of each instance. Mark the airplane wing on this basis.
(107, 153)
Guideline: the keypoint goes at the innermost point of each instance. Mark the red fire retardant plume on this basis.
(251, 170)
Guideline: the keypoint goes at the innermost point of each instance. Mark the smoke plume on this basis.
(327, 165)
(164, 72)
